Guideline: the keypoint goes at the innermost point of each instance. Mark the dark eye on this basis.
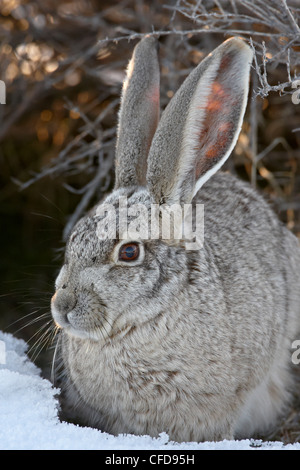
(129, 252)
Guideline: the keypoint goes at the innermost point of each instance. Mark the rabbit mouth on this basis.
(86, 328)
(100, 333)
(82, 321)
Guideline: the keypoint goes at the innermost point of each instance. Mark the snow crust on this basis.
(29, 415)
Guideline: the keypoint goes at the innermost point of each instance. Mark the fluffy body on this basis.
(195, 343)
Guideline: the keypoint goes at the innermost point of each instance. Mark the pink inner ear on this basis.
(225, 62)
(153, 98)
(153, 95)
(219, 114)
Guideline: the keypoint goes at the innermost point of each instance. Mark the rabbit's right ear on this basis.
(139, 114)
(200, 125)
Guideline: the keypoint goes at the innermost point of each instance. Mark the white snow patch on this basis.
(29, 416)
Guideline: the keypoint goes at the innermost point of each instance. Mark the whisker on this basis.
(56, 207)
(41, 343)
(43, 327)
(30, 322)
(54, 359)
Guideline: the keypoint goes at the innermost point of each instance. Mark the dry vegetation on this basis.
(63, 63)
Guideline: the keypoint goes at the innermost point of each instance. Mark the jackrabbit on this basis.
(157, 336)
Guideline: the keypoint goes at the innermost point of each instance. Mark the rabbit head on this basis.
(112, 279)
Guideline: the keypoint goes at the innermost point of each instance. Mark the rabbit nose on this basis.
(64, 300)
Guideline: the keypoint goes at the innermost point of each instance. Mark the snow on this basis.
(29, 415)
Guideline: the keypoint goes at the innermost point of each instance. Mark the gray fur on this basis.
(176, 144)
(192, 343)
(139, 114)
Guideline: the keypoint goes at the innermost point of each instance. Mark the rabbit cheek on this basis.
(88, 318)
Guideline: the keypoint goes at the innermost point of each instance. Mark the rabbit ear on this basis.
(139, 114)
(200, 125)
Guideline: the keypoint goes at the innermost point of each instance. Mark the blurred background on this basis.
(63, 64)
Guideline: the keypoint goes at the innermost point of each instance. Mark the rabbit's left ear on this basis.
(201, 124)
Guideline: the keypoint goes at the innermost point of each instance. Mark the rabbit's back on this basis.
(258, 261)
(251, 247)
